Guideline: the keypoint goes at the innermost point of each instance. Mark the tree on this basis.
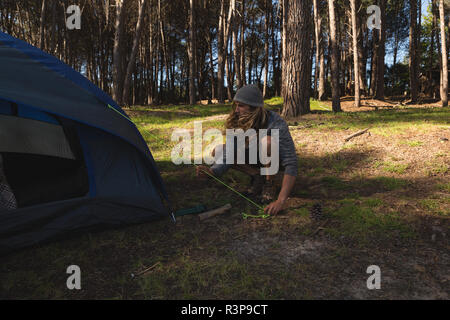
(117, 52)
(444, 59)
(266, 44)
(336, 104)
(319, 78)
(220, 53)
(236, 51)
(413, 64)
(297, 63)
(134, 50)
(353, 5)
(42, 25)
(381, 52)
(191, 54)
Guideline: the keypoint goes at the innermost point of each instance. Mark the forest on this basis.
(147, 52)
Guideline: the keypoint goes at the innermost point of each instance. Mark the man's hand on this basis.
(274, 207)
(200, 171)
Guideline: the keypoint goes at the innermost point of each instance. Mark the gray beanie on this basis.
(250, 95)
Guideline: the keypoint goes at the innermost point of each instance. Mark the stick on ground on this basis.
(356, 134)
(215, 212)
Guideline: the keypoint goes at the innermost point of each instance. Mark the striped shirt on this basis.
(288, 156)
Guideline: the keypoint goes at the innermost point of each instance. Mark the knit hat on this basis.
(250, 95)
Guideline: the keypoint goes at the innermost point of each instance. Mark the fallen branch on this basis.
(215, 212)
(356, 134)
(145, 270)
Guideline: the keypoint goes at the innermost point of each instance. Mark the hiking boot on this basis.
(256, 185)
(268, 192)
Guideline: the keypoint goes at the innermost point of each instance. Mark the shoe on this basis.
(256, 185)
(268, 192)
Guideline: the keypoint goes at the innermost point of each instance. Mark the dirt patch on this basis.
(287, 251)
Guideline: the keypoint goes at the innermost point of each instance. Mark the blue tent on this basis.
(71, 155)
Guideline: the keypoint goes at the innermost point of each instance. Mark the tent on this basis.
(72, 157)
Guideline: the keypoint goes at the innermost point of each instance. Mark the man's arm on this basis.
(286, 188)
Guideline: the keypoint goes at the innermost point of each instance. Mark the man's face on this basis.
(242, 109)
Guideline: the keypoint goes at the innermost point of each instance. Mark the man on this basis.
(7, 198)
(248, 112)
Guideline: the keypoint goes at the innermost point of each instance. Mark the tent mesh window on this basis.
(43, 162)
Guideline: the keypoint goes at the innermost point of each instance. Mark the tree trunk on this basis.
(53, 37)
(413, 74)
(236, 51)
(297, 67)
(266, 45)
(220, 53)
(336, 105)
(132, 61)
(285, 6)
(381, 52)
(275, 54)
(228, 56)
(191, 54)
(444, 77)
(322, 75)
(150, 87)
(117, 53)
(164, 49)
(362, 36)
(374, 62)
(318, 40)
(211, 66)
(353, 5)
(42, 26)
(396, 38)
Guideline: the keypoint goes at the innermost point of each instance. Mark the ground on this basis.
(385, 196)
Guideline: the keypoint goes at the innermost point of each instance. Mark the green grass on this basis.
(157, 126)
(399, 168)
(274, 102)
(201, 260)
(373, 202)
(443, 186)
(362, 223)
(436, 168)
(440, 154)
(303, 212)
(391, 167)
(334, 183)
(319, 105)
(390, 183)
(434, 206)
(413, 143)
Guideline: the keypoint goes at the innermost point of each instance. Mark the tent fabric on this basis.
(107, 175)
(22, 135)
(26, 75)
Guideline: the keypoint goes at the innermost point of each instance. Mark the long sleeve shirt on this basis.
(287, 154)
